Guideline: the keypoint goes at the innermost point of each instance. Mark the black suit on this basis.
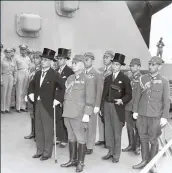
(61, 130)
(114, 115)
(52, 87)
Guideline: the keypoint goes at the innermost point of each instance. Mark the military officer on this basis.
(106, 70)
(151, 109)
(98, 84)
(46, 90)
(8, 75)
(65, 71)
(117, 93)
(31, 105)
(23, 66)
(133, 136)
(78, 107)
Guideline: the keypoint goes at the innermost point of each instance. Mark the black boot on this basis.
(32, 135)
(131, 140)
(108, 155)
(81, 157)
(72, 155)
(145, 156)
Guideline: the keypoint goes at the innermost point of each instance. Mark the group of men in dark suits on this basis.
(83, 94)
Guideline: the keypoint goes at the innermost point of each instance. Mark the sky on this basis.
(161, 26)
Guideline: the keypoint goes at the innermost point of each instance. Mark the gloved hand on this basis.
(55, 103)
(25, 99)
(118, 101)
(31, 96)
(96, 110)
(163, 122)
(135, 115)
(86, 118)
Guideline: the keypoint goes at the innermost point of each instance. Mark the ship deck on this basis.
(16, 153)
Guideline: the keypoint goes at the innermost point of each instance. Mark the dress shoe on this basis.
(18, 111)
(100, 143)
(137, 151)
(30, 136)
(2, 112)
(44, 158)
(142, 164)
(24, 110)
(36, 156)
(9, 112)
(107, 157)
(129, 148)
(89, 151)
(12, 107)
(114, 160)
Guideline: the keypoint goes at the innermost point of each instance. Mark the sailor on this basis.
(117, 93)
(31, 105)
(78, 107)
(106, 71)
(46, 90)
(23, 66)
(151, 109)
(133, 136)
(65, 71)
(8, 79)
(98, 84)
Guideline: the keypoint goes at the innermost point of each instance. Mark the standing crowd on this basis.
(81, 95)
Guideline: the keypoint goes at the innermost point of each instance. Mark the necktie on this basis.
(43, 73)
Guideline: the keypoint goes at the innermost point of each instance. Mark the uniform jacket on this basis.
(66, 72)
(134, 84)
(124, 93)
(48, 90)
(105, 72)
(79, 96)
(152, 97)
(98, 84)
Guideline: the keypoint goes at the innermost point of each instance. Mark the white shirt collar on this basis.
(45, 70)
(116, 74)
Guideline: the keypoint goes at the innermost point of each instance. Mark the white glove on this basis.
(31, 96)
(118, 101)
(163, 122)
(55, 103)
(135, 115)
(96, 110)
(25, 99)
(86, 118)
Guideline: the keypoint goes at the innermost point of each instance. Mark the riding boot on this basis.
(32, 135)
(131, 140)
(72, 155)
(145, 156)
(81, 157)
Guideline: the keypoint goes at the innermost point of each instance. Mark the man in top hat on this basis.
(9, 77)
(46, 90)
(106, 71)
(151, 109)
(23, 67)
(133, 136)
(117, 93)
(64, 71)
(98, 87)
(31, 106)
(78, 107)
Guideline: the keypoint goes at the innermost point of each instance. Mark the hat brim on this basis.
(48, 57)
(122, 63)
(62, 57)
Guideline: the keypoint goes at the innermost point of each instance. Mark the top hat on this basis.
(49, 54)
(119, 58)
(65, 53)
(135, 61)
(89, 54)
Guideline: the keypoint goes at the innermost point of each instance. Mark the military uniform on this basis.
(98, 84)
(8, 75)
(79, 101)
(133, 136)
(151, 103)
(23, 67)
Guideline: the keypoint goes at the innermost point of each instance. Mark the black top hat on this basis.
(119, 58)
(65, 53)
(49, 54)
